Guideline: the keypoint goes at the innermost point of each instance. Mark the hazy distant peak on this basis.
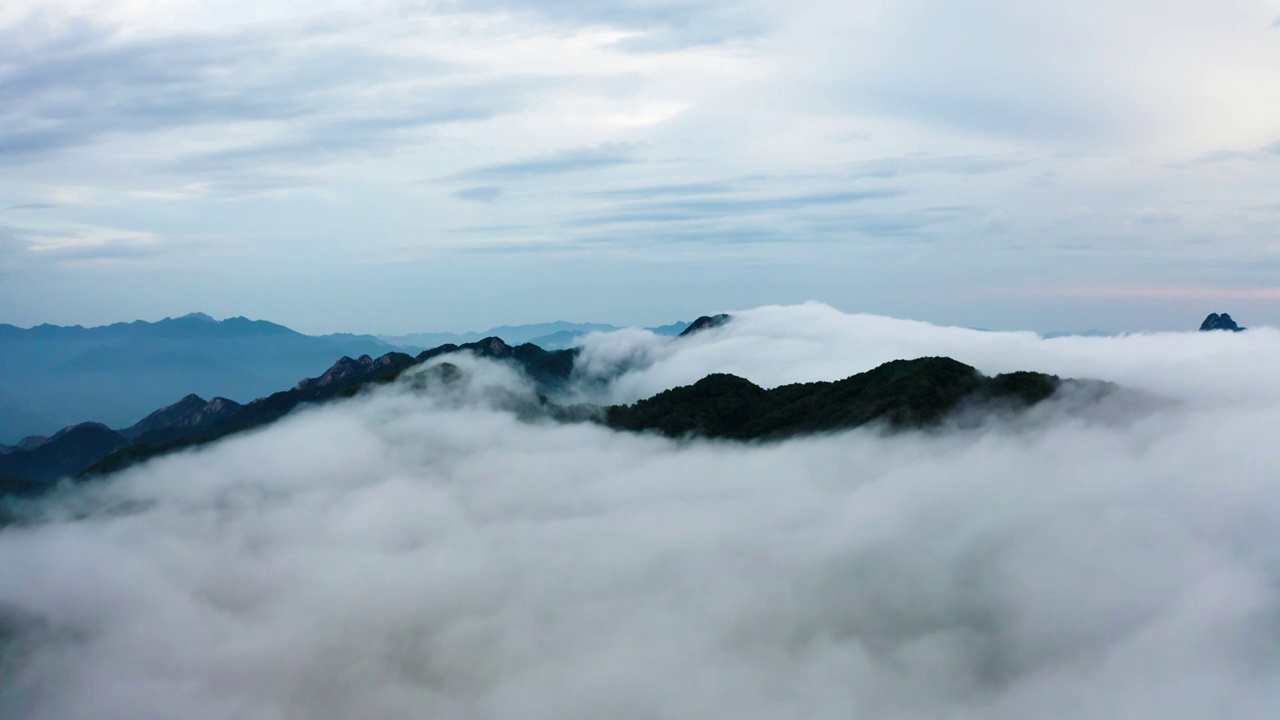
(197, 316)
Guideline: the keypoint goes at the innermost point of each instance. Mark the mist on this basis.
(432, 550)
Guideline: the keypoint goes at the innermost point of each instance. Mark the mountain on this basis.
(548, 369)
(66, 453)
(191, 412)
(194, 420)
(52, 376)
(904, 393)
(706, 322)
(901, 394)
(671, 330)
(1219, 322)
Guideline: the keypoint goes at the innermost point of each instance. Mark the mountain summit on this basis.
(706, 322)
(1219, 322)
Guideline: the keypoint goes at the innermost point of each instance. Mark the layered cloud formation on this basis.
(417, 553)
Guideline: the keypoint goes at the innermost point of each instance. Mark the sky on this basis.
(398, 166)
(419, 551)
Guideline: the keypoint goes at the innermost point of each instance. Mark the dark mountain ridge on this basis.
(191, 411)
(902, 394)
(706, 322)
(183, 424)
(66, 453)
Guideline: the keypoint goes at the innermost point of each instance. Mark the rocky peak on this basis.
(492, 347)
(706, 322)
(1219, 322)
(341, 370)
(348, 368)
(221, 405)
(190, 411)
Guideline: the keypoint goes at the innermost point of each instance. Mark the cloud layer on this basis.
(424, 553)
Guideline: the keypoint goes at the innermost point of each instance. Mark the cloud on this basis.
(920, 164)
(900, 224)
(122, 249)
(648, 192)
(480, 193)
(1266, 153)
(419, 550)
(1275, 24)
(77, 86)
(810, 342)
(32, 206)
(557, 163)
(22, 246)
(701, 208)
(652, 25)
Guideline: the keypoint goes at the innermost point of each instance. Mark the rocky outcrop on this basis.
(1219, 322)
(190, 412)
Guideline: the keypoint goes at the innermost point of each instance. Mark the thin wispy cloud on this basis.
(480, 193)
(650, 26)
(693, 209)
(923, 164)
(573, 160)
(1267, 153)
(654, 191)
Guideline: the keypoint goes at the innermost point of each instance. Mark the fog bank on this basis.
(422, 551)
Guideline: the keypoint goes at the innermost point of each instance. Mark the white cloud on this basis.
(407, 555)
(777, 345)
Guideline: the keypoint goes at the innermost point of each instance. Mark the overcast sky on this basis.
(408, 165)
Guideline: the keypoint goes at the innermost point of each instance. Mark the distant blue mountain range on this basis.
(54, 376)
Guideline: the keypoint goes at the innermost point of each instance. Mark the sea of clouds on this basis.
(420, 552)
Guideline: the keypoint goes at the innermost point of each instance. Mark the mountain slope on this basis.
(190, 412)
(548, 369)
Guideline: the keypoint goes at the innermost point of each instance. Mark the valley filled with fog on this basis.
(424, 551)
